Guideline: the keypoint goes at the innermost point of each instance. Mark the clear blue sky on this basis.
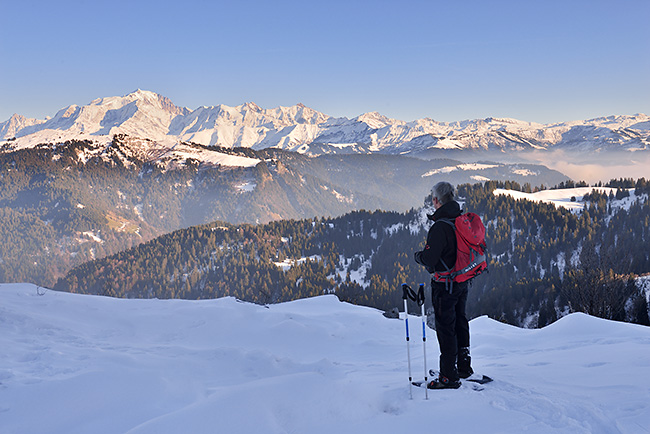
(542, 61)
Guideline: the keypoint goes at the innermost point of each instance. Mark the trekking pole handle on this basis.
(408, 293)
(405, 291)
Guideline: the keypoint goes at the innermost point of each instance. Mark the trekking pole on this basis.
(424, 339)
(405, 294)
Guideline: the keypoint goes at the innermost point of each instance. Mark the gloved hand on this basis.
(418, 258)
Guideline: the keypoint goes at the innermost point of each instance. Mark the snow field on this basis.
(78, 364)
(562, 197)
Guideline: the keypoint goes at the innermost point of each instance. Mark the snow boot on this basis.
(464, 363)
(443, 382)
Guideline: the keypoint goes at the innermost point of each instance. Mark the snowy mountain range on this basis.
(299, 128)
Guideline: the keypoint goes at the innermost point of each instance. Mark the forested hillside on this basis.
(544, 261)
(62, 204)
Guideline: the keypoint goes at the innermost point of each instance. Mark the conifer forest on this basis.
(544, 261)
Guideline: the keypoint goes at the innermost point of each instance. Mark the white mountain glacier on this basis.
(299, 128)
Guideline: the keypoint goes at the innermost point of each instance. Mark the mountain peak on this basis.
(376, 120)
(251, 106)
(139, 93)
(14, 124)
(156, 98)
(16, 119)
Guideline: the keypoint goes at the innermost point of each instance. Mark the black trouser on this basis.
(452, 326)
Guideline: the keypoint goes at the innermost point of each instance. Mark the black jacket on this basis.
(441, 240)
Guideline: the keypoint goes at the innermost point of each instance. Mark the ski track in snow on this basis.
(86, 364)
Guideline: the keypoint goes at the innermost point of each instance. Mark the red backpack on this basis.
(471, 257)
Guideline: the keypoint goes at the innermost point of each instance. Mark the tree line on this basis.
(543, 260)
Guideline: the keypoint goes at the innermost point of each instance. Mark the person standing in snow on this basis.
(452, 325)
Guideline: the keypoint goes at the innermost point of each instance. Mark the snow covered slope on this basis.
(80, 364)
(570, 198)
(298, 128)
(132, 150)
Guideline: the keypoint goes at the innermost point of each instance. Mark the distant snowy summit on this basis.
(299, 128)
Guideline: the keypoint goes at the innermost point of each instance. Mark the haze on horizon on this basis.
(595, 168)
(540, 62)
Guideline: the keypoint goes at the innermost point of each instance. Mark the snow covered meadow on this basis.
(571, 198)
(87, 364)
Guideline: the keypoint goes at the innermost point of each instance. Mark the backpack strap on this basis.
(451, 222)
(449, 280)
